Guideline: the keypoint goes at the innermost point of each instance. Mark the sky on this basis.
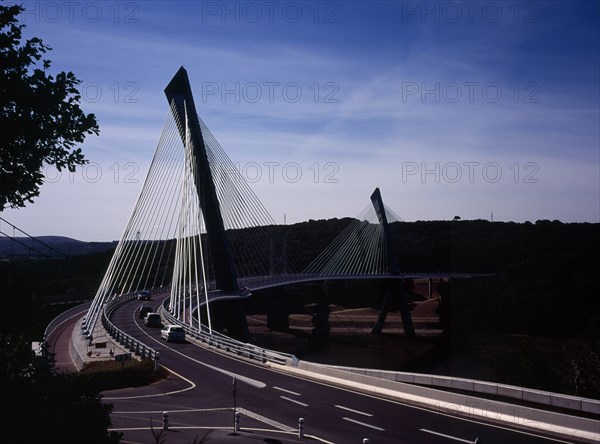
(451, 108)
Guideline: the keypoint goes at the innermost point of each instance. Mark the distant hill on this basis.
(48, 246)
(56, 239)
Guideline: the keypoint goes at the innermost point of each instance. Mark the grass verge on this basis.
(111, 375)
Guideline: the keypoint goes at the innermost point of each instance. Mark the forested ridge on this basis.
(538, 279)
(543, 271)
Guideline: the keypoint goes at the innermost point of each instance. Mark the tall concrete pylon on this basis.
(225, 315)
(394, 269)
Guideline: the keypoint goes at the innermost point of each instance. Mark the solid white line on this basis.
(294, 401)
(449, 436)
(292, 431)
(266, 420)
(352, 410)
(241, 378)
(392, 401)
(287, 391)
(364, 424)
(416, 407)
(192, 386)
(147, 412)
(241, 410)
(133, 429)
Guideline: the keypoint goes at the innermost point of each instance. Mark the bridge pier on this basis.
(278, 312)
(407, 324)
(383, 312)
(229, 317)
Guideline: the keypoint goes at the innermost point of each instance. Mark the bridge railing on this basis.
(228, 344)
(128, 342)
(63, 318)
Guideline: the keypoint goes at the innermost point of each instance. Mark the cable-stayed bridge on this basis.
(25, 245)
(199, 236)
(198, 231)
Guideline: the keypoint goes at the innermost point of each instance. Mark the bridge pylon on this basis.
(227, 315)
(393, 269)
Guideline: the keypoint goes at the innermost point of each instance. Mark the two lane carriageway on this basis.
(269, 398)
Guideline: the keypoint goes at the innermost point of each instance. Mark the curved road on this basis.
(58, 335)
(202, 396)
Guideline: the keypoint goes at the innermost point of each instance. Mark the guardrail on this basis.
(128, 342)
(64, 317)
(559, 400)
(582, 429)
(228, 344)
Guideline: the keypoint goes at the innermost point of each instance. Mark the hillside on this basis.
(48, 246)
(541, 280)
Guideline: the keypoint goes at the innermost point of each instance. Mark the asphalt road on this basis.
(60, 337)
(201, 395)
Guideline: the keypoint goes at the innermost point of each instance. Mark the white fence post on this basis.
(237, 421)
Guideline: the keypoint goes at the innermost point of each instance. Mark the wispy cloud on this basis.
(382, 92)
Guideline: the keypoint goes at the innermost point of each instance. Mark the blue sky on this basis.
(451, 108)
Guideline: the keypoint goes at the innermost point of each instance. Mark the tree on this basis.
(582, 374)
(37, 405)
(40, 119)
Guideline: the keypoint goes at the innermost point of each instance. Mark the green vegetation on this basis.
(541, 282)
(544, 274)
(29, 288)
(40, 116)
(111, 375)
(40, 406)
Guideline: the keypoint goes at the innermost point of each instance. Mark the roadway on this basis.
(201, 395)
(58, 334)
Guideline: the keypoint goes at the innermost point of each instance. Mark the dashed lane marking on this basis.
(364, 424)
(358, 412)
(286, 391)
(449, 436)
(294, 401)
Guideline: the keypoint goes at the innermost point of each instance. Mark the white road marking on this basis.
(192, 386)
(266, 420)
(402, 403)
(287, 391)
(147, 412)
(294, 401)
(249, 381)
(364, 424)
(243, 411)
(352, 410)
(449, 436)
(171, 427)
(241, 378)
(191, 383)
(416, 407)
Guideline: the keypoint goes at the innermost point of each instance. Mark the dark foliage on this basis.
(29, 288)
(581, 375)
(40, 119)
(542, 281)
(111, 375)
(39, 406)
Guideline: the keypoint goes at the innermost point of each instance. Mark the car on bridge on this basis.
(153, 320)
(144, 310)
(172, 333)
(143, 295)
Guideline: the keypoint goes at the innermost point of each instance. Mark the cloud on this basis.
(378, 94)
